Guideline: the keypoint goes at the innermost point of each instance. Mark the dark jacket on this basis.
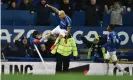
(93, 15)
(79, 5)
(68, 8)
(43, 15)
(24, 50)
(22, 6)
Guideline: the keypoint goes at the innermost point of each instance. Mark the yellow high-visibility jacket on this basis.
(65, 49)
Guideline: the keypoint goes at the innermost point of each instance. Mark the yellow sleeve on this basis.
(74, 49)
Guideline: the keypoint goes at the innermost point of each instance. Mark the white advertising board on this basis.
(37, 68)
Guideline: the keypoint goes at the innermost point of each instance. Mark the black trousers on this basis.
(62, 63)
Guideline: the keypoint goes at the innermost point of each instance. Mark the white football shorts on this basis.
(111, 56)
(59, 31)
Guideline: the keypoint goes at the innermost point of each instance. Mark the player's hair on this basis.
(116, 0)
(61, 12)
(112, 27)
(35, 33)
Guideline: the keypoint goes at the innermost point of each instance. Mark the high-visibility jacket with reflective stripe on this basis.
(66, 49)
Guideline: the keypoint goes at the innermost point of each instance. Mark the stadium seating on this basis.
(78, 18)
(125, 55)
(18, 18)
(3, 6)
(7, 17)
(26, 18)
(128, 19)
(130, 55)
(106, 19)
(21, 18)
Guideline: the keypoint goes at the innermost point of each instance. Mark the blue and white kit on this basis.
(62, 27)
(113, 42)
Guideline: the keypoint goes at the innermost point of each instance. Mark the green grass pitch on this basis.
(64, 76)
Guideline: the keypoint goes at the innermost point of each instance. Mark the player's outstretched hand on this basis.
(47, 5)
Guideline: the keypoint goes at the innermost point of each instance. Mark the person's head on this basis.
(93, 2)
(43, 2)
(62, 14)
(36, 35)
(24, 40)
(43, 47)
(110, 27)
(116, 3)
(65, 1)
(26, 1)
(13, 4)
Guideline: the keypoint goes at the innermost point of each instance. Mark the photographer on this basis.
(95, 53)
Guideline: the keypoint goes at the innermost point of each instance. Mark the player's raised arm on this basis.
(53, 8)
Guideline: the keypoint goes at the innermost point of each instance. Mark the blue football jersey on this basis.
(64, 23)
(113, 41)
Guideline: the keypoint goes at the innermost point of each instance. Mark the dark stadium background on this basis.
(34, 16)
